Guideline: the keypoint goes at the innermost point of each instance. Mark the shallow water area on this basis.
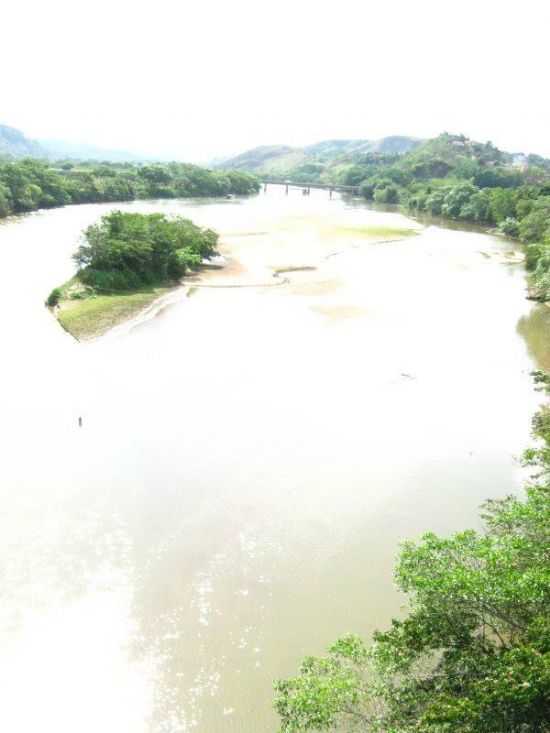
(251, 454)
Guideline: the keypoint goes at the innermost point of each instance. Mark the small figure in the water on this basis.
(79, 422)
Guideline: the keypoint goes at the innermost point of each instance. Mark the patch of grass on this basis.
(380, 232)
(95, 314)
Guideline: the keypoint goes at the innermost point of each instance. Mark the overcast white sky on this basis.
(197, 78)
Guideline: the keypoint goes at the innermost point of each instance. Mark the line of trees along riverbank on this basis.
(457, 178)
(29, 184)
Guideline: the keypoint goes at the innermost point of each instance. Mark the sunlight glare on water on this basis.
(250, 456)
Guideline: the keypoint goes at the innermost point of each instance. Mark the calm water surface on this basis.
(250, 456)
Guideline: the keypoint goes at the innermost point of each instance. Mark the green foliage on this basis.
(5, 201)
(509, 227)
(434, 202)
(351, 175)
(366, 189)
(449, 176)
(53, 297)
(325, 688)
(536, 224)
(476, 208)
(27, 185)
(126, 251)
(534, 253)
(473, 653)
(538, 263)
(386, 194)
(497, 178)
(503, 204)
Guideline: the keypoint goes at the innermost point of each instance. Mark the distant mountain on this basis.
(13, 144)
(266, 158)
(60, 149)
(283, 159)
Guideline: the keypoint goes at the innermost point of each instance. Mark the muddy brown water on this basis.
(249, 459)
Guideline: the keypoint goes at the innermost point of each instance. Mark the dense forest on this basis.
(28, 184)
(473, 652)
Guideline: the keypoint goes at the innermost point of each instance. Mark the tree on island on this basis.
(127, 251)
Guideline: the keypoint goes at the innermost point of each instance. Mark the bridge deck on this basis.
(301, 184)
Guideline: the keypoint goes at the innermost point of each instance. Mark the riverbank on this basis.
(47, 185)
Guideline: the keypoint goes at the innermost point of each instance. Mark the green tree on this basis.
(366, 189)
(434, 202)
(5, 203)
(503, 204)
(456, 198)
(386, 194)
(127, 250)
(509, 227)
(536, 224)
(28, 184)
(478, 207)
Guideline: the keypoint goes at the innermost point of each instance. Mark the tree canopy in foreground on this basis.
(473, 653)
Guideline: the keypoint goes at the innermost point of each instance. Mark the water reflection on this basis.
(535, 329)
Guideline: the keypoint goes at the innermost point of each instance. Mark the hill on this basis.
(316, 160)
(332, 149)
(265, 158)
(397, 160)
(14, 144)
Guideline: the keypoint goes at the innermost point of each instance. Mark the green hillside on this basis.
(321, 161)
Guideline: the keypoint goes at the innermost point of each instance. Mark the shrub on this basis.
(510, 227)
(387, 195)
(366, 189)
(53, 298)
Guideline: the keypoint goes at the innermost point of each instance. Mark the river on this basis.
(250, 457)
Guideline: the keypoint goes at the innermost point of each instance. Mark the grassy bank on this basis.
(86, 315)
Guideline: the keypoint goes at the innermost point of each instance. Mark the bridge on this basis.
(306, 187)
